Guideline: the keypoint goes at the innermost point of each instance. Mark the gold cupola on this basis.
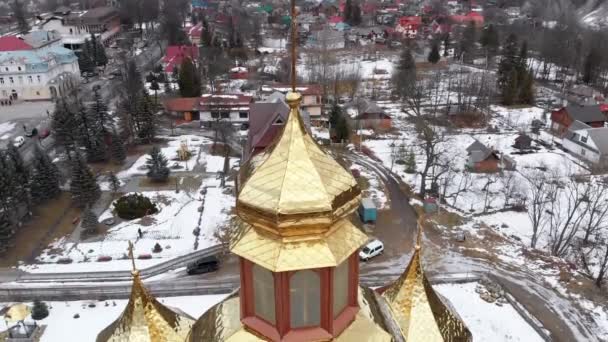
(145, 319)
(294, 206)
(298, 189)
(418, 310)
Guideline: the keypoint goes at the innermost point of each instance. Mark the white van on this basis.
(19, 141)
(371, 249)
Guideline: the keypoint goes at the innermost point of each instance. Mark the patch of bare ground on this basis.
(50, 221)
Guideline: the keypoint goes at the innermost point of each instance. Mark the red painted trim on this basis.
(353, 282)
(344, 319)
(326, 298)
(307, 334)
(282, 302)
(262, 327)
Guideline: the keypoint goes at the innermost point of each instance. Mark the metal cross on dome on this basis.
(294, 31)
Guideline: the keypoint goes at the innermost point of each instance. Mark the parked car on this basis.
(88, 74)
(371, 249)
(19, 141)
(203, 265)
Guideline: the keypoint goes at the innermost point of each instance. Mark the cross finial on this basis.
(131, 255)
(419, 235)
(294, 38)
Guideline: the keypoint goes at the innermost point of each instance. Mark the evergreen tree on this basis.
(404, 78)
(507, 74)
(467, 42)
(91, 134)
(97, 51)
(6, 230)
(117, 149)
(334, 115)
(99, 112)
(489, 40)
(206, 34)
(356, 19)
(8, 199)
(114, 182)
(20, 177)
(348, 11)
(434, 55)
(20, 15)
(157, 166)
(86, 61)
(189, 81)
(44, 183)
(145, 119)
(84, 188)
(526, 91)
(510, 89)
(591, 65)
(410, 162)
(446, 44)
(342, 129)
(89, 221)
(64, 126)
(168, 88)
(522, 62)
(40, 310)
(156, 87)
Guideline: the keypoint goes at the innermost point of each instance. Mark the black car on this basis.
(203, 265)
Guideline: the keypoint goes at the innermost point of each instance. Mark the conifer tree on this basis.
(467, 42)
(64, 126)
(40, 310)
(86, 61)
(99, 112)
(156, 87)
(114, 182)
(489, 40)
(348, 11)
(189, 81)
(507, 75)
(145, 119)
(434, 55)
(8, 199)
(84, 188)
(44, 183)
(404, 78)
(20, 15)
(97, 51)
(117, 149)
(592, 63)
(206, 34)
(89, 221)
(410, 162)
(158, 171)
(526, 91)
(356, 19)
(446, 44)
(6, 230)
(20, 176)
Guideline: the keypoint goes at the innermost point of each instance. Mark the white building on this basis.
(42, 74)
(590, 144)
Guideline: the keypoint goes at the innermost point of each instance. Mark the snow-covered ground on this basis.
(6, 128)
(487, 321)
(193, 144)
(172, 227)
(93, 320)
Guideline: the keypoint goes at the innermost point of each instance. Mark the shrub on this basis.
(157, 248)
(40, 310)
(134, 206)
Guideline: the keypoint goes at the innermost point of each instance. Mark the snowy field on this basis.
(93, 320)
(172, 227)
(487, 321)
(5, 129)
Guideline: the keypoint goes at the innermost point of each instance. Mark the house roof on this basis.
(600, 138)
(207, 101)
(479, 152)
(364, 106)
(577, 126)
(12, 43)
(175, 55)
(308, 89)
(262, 117)
(181, 104)
(585, 113)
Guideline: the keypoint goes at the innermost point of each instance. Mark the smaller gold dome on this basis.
(298, 189)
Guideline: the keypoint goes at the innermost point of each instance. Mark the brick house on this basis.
(482, 158)
(562, 119)
(210, 108)
(367, 114)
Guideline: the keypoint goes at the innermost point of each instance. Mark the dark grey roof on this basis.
(364, 106)
(577, 126)
(600, 138)
(478, 151)
(585, 113)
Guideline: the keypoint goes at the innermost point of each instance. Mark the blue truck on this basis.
(367, 211)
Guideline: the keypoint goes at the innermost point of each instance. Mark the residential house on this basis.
(13, 43)
(266, 119)
(472, 17)
(408, 26)
(482, 158)
(224, 107)
(366, 114)
(175, 55)
(238, 73)
(523, 142)
(583, 95)
(562, 119)
(183, 108)
(41, 74)
(76, 27)
(311, 104)
(588, 143)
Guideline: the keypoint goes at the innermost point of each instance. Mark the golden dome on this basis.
(298, 189)
(419, 311)
(145, 319)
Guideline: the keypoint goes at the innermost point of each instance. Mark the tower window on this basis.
(305, 299)
(263, 293)
(340, 288)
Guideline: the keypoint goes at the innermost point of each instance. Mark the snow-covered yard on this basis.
(172, 227)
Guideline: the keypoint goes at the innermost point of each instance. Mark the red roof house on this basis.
(473, 17)
(408, 26)
(176, 53)
(12, 43)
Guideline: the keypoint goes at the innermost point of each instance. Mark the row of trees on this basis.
(93, 55)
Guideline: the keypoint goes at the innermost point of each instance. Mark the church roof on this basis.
(419, 311)
(298, 189)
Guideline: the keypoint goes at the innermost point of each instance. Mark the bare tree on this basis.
(598, 209)
(490, 178)
(539, 194)
(509, 186)
(602, 249)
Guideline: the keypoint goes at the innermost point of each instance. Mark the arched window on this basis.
(263, 294)
(305, 299)
(340, 288)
